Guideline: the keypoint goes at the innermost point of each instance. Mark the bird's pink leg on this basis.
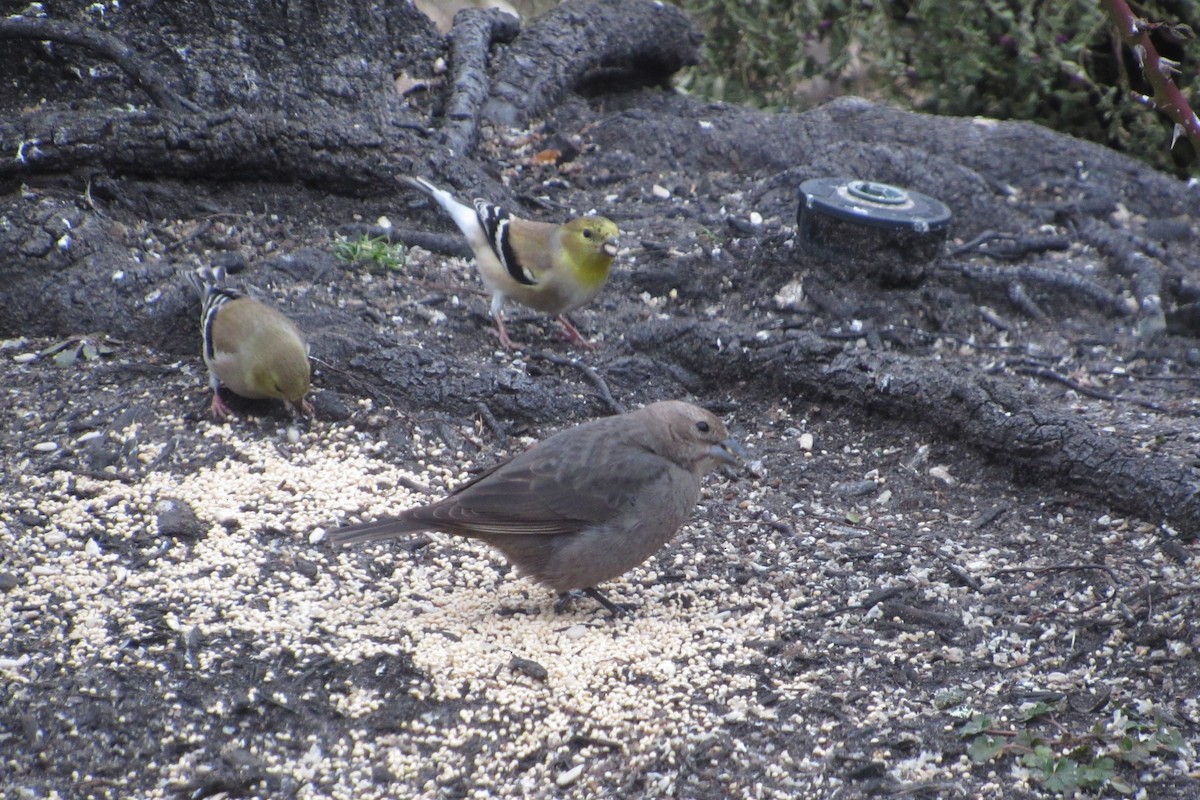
(573, 334)
(219, 409)
(502, 332)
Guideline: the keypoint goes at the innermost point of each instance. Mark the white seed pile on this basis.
(745, 662)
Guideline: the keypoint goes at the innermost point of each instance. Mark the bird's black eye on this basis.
(587, 233)
(702, 426)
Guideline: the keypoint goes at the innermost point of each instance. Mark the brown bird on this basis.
(584, 505)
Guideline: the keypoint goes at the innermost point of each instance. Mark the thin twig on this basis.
(1157, 70)
(1049, 374)
(591, 374)
(492, 423)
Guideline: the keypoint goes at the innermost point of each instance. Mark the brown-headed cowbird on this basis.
(584, 505)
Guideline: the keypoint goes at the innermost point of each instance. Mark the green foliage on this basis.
(1070, 762)
(376, 252)
(776, 53)
(69, 352)
(1059, 64)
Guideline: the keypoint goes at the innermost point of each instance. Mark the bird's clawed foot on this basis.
(502, 334)
(573, 335)
(616, 609)
(220, 409)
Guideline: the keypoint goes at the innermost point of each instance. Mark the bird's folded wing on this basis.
(553, 495)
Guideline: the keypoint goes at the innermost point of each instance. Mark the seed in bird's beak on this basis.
(611, 247)
(728, 451)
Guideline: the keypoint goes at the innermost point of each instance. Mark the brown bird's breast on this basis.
(604, 550)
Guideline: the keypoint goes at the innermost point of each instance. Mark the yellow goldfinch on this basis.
(548, 267)
(249, 347)
(585, 505)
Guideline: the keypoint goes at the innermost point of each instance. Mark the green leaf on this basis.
(1038, 709)
(984, 748)
(1062, 776)
(1098, 773)
(89, 351)
(948, 697)
(65, 358)
(976, 724)
(1028, 738)
(1171, 739)
(57, 347)
(1040, 759)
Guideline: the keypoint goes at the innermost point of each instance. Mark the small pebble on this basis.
(942, 473)
(570, 776)
(14, 663)
(45, 447)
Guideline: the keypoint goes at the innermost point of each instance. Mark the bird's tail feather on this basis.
(466, 217)
(421, 184)
(387, 528)
(207, 278)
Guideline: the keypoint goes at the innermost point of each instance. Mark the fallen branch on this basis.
(1042, 276)
(474, 32)
(1040, 442)
(339, 155)
(143, 72)
(648, 41)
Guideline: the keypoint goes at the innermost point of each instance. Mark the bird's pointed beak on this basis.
(728, 452)
(611, 247)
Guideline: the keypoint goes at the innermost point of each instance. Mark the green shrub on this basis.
(1056, 63)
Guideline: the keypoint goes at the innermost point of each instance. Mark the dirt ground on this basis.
(834, 616)
(890, 599)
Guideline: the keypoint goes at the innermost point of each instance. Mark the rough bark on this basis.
(1039, 441)
(471, 38)
(645, 42)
